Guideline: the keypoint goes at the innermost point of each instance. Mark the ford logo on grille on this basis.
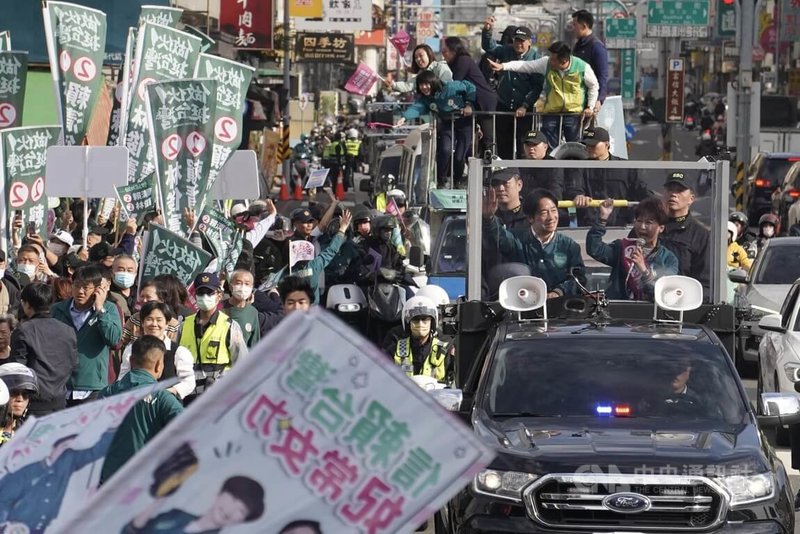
(627, 503)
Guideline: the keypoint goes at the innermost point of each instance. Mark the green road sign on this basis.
(726, 20)
(621, 28)
(628, 74)
(678, 12)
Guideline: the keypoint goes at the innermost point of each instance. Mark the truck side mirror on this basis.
(416, 257)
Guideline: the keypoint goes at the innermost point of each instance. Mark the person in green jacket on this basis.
(424, 59)
(148, 416)
(516, 92)
(313, 269)
(98, 328)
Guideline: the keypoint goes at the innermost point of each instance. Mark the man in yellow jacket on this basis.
(570, 91)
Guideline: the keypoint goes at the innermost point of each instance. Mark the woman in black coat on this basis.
(465, 68)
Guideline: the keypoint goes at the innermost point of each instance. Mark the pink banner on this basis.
(401, 40)
(361, 81)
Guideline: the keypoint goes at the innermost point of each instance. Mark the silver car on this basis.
(762, 292)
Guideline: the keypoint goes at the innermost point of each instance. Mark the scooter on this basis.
(646, 115)
(348, 302)
(386, 298)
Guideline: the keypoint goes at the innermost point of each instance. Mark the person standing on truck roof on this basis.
(684, 235)
(592, 50)
(550, 255)
(516, 92)
(424, 59)
(570, 91)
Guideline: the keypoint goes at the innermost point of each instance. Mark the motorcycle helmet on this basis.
(398, 195)
(384, 222)
(418, 306)
(361, 213)
(436, 293)
(770, 218)
(352, 133)
(706, 136)
(733, 230)
(738, 217)
(5, 397)
(18, 377)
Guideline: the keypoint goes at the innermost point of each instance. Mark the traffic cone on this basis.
(340, 186)
(298, 190)
(284, 194)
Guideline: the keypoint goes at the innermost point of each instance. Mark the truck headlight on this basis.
(748, 489)
(503, 484)
(791, 369)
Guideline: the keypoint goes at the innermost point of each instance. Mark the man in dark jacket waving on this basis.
(517, 92)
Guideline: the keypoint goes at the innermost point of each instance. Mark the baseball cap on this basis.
(103, 250)
(504, 175)
(593, 136)
(207, 280)
(237, 209)
(534, 137)
(303, 215)
(522, 33)
(63, 236)
(677, 178)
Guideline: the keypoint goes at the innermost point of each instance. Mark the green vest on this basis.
(352, 146)
(433, 365)
(567, 93)
(213, 346)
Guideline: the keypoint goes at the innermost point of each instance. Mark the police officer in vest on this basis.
(352, 146)
(215, 341)
(421, 353)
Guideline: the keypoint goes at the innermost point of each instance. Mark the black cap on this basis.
(677, 178)
(504, 175)
(102, 250)
(534, 137)
(522, 33)
(303, 215)
(596, 135)
(207, 280)
(72, 261)
(96, 229)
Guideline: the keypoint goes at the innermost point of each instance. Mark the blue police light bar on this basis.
(604, 410)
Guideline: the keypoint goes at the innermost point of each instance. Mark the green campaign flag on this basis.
(5, 40)
(165, 16)
(13, 75)
(76, 44)
(166, 252)
(162, 54)
(223, 236)
(181, 113)
(23, 153)
(233, 80)
(137, 199)
(208, 42)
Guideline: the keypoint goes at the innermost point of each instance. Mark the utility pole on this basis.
(287, 82)
(745, 34)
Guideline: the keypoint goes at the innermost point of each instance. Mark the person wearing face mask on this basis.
(380, 242)
(637, 263)
(155, 318)
(239, 306)
(56, 250)
(421, 352)
(28, 264)
(123, 293)
(214, 339)
(769, 226)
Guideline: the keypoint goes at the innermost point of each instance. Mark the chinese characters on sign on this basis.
(339, 15)
(224, 237)
(675, 90)
(76, 43)
(166, 252)
(248, 23)
(628, 74)
(137, 198)
(13, 75)
(790, 23)
(24, 154)
(319, 425)
(362, 80)
(324, 47)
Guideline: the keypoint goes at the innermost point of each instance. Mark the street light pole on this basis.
(745, 34)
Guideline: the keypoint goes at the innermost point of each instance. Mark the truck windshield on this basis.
(780, 265)
(667, 379)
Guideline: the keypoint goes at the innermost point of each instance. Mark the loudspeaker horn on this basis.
(678, 293)
(522, 293)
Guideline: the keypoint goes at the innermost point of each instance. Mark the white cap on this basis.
(238, 209)
(63, 236)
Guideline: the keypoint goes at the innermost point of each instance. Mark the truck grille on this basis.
(680, 503)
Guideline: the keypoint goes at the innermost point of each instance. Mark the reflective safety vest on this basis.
(567, 93)
(352, 146)
(213, 346)
(433, 365)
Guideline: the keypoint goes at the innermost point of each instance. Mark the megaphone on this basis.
(522, 293)
(678, 293)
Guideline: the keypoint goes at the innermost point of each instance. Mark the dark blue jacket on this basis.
(465, 68)
(515, 88)
(593, 51)
(662, 262)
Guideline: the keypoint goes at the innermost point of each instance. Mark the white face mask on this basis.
(206, 302)
(768, 230)
(124, 280)
(2, 273)
(241, 291)
(28, 269)
(421, 329)
(57, 248)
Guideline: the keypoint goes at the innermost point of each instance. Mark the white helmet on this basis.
(352, 133)
(418, 306)
(396, 193)
(436, 293)
(5, 396)
(732, 229)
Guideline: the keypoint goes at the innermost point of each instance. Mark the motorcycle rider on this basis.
(22, 384)
(769, 226)
(421, 352)
(746, 238)
(380, 242)
(362, 223)
(707, 146)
